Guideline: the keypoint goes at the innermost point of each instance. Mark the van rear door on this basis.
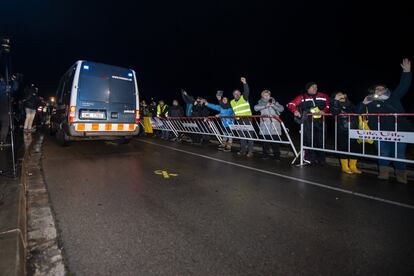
(106, 94)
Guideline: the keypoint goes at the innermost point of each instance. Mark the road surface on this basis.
(160, 208)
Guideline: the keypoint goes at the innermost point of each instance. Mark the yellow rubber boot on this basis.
(353, 166)
(345, 167)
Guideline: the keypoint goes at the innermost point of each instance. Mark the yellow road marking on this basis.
(165, 174)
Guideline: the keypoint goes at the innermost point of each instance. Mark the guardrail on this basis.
(351, 132)
(266, 129)
(354, 132)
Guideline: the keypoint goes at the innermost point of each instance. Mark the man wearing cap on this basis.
(317, 104)
(241, 107)
(219, 95)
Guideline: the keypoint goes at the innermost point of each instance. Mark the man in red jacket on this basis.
(317, 104)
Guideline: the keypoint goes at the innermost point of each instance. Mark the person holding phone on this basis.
(270, 127)
(383, 100)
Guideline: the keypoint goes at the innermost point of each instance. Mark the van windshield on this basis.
(104, 83)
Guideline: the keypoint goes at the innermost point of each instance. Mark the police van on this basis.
(96, 101)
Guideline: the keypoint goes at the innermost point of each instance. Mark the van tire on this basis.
(123, 141)
(62, 138)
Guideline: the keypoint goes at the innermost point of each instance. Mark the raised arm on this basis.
(246, 89)
(405, 81)
(187, 98)
(213, 106)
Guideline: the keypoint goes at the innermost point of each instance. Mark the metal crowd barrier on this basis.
(361, 134)
(266, 129)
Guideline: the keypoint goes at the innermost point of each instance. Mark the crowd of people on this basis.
(308, 108)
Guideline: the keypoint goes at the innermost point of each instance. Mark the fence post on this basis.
(302, 153)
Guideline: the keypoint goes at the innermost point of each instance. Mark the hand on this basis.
(243, 80)
(269, 104)
(297, 114)
(406, 65)
(367, 100)
(338, 97)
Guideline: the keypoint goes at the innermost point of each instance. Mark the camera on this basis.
(5, 45)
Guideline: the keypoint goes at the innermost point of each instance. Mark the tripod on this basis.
(4, 52)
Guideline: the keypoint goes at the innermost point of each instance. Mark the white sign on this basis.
(193, 125)
(121, 78)
(387, 136)
(242, 127)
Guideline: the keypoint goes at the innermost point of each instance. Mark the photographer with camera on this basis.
(316, 103)
(269, 127)
(383, 100)
(200, 110)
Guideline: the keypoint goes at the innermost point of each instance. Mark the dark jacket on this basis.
(32, 101)
(392, 105)
(152, 108)
(200, 110)
(337, 107)
(176, 111)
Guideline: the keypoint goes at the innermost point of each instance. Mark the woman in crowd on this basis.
(270, 127)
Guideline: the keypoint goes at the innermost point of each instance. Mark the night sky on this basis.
(203, 46)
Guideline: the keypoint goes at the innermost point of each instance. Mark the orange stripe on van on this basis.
(131, 126)
(80, 127)
(108, 127)
(95, 126)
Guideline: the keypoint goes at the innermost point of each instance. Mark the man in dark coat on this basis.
(383, 100)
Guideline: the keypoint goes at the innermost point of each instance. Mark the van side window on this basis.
(67, 89)
(60, 91)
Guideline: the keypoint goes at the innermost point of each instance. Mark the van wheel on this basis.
(123, 141)
(62, 138)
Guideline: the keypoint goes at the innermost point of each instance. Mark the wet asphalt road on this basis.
(117, 217)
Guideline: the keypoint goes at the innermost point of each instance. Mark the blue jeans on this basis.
(388, 150)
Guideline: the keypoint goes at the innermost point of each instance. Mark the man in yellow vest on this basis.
(162, 112)
(241, 107)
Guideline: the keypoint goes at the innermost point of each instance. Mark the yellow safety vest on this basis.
(241, 107)
(159, 110)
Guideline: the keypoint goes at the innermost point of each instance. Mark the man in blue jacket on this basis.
(383, 100)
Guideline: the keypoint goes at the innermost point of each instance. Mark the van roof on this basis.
(104, 64)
